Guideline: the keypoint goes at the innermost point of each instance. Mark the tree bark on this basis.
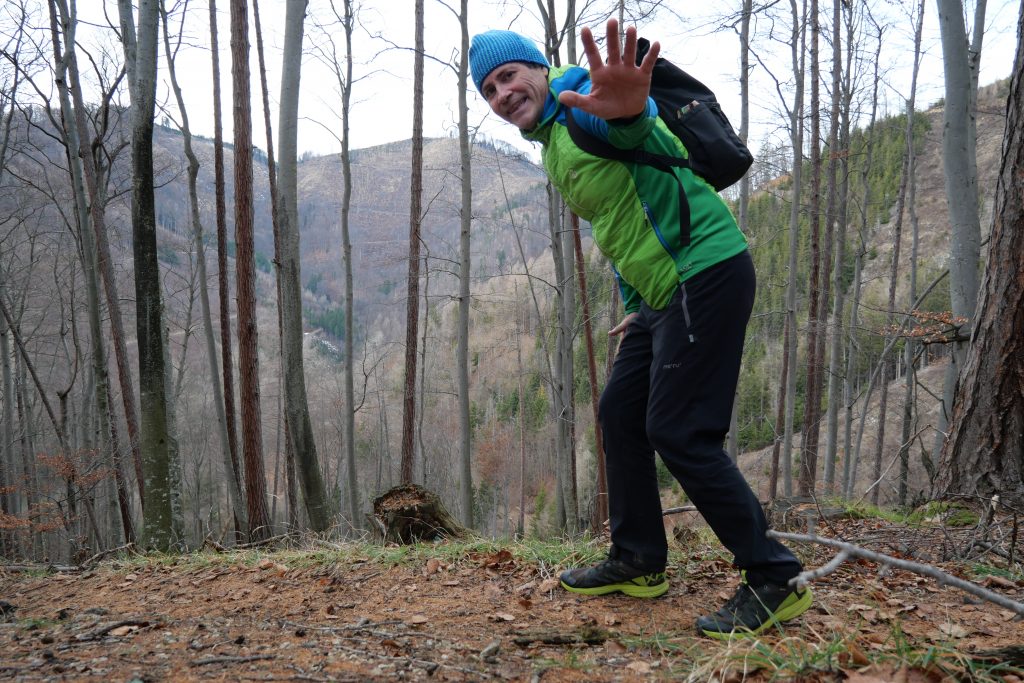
(223, 286)
(984, 453)
(300, 428)
(961, 182)
(245, 265)
(154, 440)
(234, 492)
(466, 217)
(412, 306)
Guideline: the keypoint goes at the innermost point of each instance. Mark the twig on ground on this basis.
(92, 561)
(925, 570)
(107, 628)
(683, 508)
(230, 659)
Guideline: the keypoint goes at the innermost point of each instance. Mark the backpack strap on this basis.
(597, 147)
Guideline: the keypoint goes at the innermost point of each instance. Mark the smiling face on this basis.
(516, 92)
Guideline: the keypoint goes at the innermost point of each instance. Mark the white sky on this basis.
(382, 94)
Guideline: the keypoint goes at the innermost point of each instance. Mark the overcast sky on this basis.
(382, 93)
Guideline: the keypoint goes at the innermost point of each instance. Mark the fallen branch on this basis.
(594, 636)
(94, 560)
(107, 628)
(923, 569)
(683, 508)
(230, 659)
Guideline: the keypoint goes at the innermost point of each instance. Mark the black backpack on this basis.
(691, 112)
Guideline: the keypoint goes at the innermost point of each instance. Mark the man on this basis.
(687, 283)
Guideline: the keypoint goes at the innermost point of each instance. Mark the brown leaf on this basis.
(953, 630)
(639, 667)
(433, 566)
(525, 603)
(265, 563)
(123, 630)
(502, 616)
(548, 585)
(418, 619)
(610, 620)
(998, 581)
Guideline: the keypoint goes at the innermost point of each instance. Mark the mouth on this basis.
(514, 107)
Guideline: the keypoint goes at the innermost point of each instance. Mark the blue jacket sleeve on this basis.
(622, 134)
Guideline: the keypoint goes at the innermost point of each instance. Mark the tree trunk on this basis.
(984, 454)
(812, 402)
(223, 287)
(466, 216)
(296, 403)
(154, 442)
(245, 265)
(744, 199)
(600, 512)
(234, 492)
(961, 182)
(412, 309)
(797, 142)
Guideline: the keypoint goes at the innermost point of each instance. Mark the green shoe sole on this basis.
(630, 589)
(790, 609)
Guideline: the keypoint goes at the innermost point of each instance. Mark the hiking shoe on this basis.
(753, 609)
(614, 575)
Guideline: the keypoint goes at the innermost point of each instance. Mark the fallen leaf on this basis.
(265, 563)
(453, 582)
(610, 620)
(525, 603)
(122, 630)
(548, 585)
(639, 667)
(999, 582)
(418, 619)
(503, 616)
(953, 630)
(433, 566)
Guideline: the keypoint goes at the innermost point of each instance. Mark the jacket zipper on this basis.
(657, 232)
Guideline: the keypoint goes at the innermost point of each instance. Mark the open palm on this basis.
(619, 87)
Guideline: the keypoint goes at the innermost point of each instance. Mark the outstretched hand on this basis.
(618, 87)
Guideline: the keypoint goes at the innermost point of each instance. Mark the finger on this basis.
(647, 66)
(629, 54)
(612, 39)
(570, 98)
(590, 49)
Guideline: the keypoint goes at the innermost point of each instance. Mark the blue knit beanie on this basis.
(491, 49)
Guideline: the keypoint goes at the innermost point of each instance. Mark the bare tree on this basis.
(252, 438)
(960, 168)
(466, 216)
(234, 492)
(412, 306)
(901, 200)
(140, 55)
(223, 286)
(300, 428)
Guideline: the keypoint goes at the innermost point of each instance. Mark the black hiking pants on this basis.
(671, 391)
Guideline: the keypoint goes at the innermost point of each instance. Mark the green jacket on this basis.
(634, 208)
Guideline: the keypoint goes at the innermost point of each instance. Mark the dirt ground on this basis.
(480, 615)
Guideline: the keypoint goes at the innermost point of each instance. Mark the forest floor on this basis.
(486, 610)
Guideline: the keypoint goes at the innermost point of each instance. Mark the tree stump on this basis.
(409, 513)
